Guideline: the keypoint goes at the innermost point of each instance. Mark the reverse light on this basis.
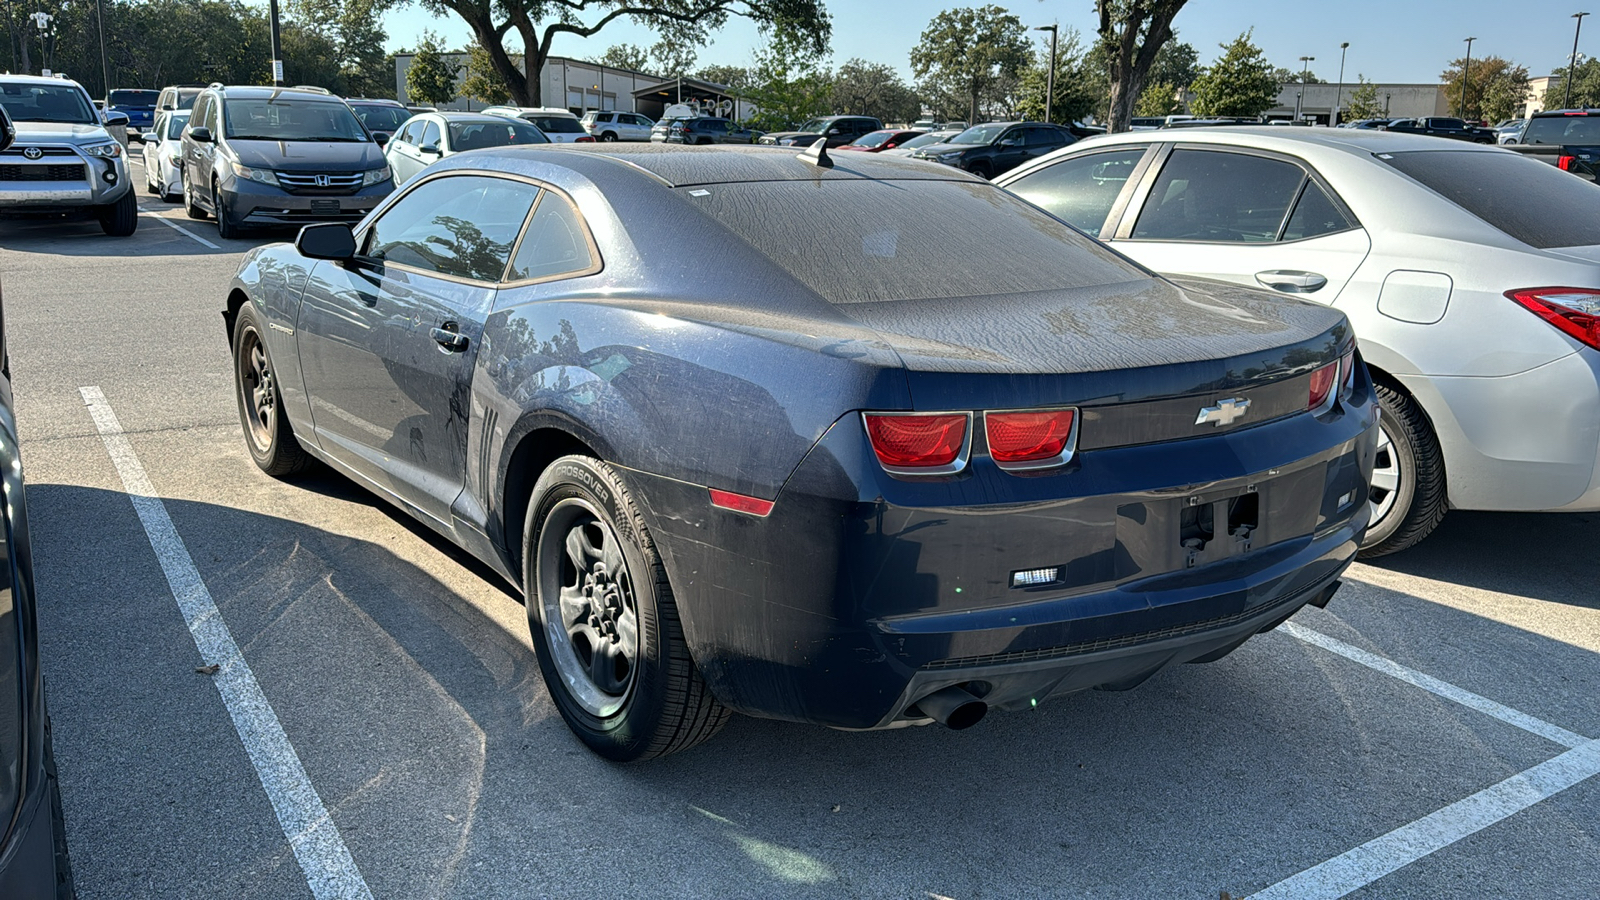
(1031, 438)
(755, 506)
(1576, 311)
(919, 443)
(1322, 381)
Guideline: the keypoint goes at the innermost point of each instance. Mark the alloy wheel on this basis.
(1386, 475)
(259, 391)
(590, 611)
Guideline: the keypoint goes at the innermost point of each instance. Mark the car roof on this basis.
(454, 117)
(254, 91)
(377, 101)
(37, 79)
(1555, 113)
(1355, 141)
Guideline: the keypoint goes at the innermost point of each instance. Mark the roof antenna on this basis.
(817, 154)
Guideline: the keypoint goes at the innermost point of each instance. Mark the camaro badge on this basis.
(1223, 413)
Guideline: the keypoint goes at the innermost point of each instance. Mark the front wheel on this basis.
(191, 203)
(267, 433)
(121, 218)
(226, 228)
(1408, 478)
(604, 622)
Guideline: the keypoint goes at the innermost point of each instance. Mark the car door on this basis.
(387, 341)
(150, 150)
(1239, 215)
(1010, 151)
(197, 154)
(633, 127)
(401, 151)
(1084, 190)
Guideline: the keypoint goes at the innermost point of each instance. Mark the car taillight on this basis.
(1576, 311)
(586, 139)
(1564, 163)
(1030, 439)
(1322, 381)
(919, 443)
(1347, 368)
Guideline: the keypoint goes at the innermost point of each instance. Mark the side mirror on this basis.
(201, 134)
(326, 240)
(1011, 142)
(833, 131)
(380, 137)
(429, 148)
(8, 131)
(113, 119)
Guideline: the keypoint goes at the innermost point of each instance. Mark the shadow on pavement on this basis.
(1545, 555)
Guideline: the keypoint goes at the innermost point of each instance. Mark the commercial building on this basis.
(1399, 101)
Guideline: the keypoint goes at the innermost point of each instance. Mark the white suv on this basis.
(616, 126)
(63, 157)
(559, 125)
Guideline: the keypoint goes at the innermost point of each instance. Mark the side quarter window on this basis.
(556, 243)
(462, 226)
(1080, 190)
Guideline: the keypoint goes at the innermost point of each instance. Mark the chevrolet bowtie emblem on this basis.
(1224, 413)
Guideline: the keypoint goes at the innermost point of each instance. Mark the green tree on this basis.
(1296, 76)
(1132, 33)
(432, 77)
(1080, 86)
(1177, 64)
(969, 53)
(1585, 86)
(864, 88)
(1364, 102)
(734, 78)
(537, 23)
(671, 57)
(624, 56)
(482, 82)
(350, 39)
(1158, 99)
(788, 82)
(1240, 83)
(1496, 88)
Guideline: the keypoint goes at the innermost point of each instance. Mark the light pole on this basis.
(1050, 79)
(1573, 65)
(277, 61)
(1305, 67)
(43, 21)
(1386, 105)
(1338, 97)
(1466, 71)
(105, 67)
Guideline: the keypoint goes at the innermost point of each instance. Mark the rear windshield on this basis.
(381, 118)
(1532, 201)
(133, 98)
(478, 135)
(917, 244)
(557, 124)
(292, 120)
(1563, 130)
(186, 97)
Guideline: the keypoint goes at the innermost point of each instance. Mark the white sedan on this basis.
(163, 143)
(1471, 275)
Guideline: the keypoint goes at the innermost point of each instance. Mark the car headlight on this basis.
(262, 176)
(375, 176)
(106, 151)
(948, 157)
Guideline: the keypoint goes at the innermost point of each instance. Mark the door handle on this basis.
(449, 338)
(1292, 282)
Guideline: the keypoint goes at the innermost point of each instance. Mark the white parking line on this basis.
(330, 871)
(1434, 686)
(1361, 866)
(182, 230)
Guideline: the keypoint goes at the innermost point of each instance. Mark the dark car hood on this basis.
(780, 135)
(308, 156)
(949, 148)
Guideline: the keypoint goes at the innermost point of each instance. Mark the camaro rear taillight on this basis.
(1347, 368)
(1031, 438)
(1322, 382)
(920, 443)
(1565, 162)
(1576, 311)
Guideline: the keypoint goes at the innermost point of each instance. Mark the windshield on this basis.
(382, 118)
(875, 139)
(175, 125)
(477, 135)
(556, 124)
(268, 119)
(979, 134)
(47, 103)
(1580, 130)
(133, 98)
(814, 126)
(937, 137)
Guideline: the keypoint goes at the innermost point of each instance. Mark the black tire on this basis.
(267, 432)
(1420, 499)
(226, 229)
(608, 136)
(121, 218)
(191, 206)
(150, 187)
(982, 170)
(654, 703)
(65, 888)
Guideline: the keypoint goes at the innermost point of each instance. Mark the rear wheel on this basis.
(604, 622)
(267, 433)
(191, 203)
(1408, 478)
(121, 218)
(608, 136)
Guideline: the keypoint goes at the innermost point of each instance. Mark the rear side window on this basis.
(462, 226)
(1563, 130)
(1534, 202)
(1080, 190)
(1204, 195)
(556, 243)
(557, 124)
(1315, 214)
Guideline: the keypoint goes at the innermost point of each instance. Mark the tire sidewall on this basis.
(625, 733)
(248, 320)
(1406, 490)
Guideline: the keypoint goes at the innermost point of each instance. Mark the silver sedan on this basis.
(1471, 275)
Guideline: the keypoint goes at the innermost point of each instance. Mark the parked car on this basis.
(1510, 132)
(1472, 276)
(257, 156)
(178, 96)
(381, 118)
(162, 150)
(837, 130)
(63, 157)
(1367, 124)
(1568, 139)
(917, 143)
(138, 105)
(616, 126)
(33, 846)
(1146, 123)
(560, 126)
(763, 500)
(706, 130)
(1446, 127)
(663, 127)
(879, 141)
(430, 137)
(997, 147)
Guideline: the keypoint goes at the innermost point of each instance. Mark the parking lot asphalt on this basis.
(1431, 734)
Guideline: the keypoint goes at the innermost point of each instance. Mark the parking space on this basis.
(1430, 734)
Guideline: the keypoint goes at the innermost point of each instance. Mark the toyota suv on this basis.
(279, 156)
(63, 158)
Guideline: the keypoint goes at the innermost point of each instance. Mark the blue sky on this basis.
(1396, 41)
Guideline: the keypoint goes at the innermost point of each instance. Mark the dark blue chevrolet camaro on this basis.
(862, 443)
